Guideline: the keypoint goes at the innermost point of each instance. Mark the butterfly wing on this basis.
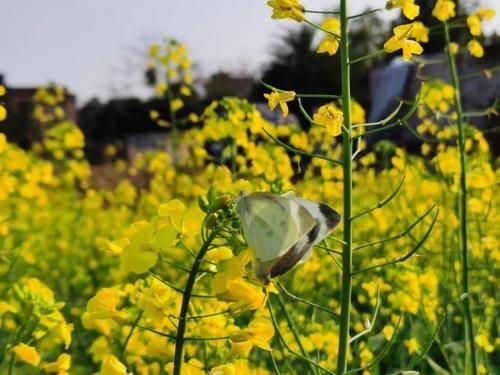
(282, 229)
(272, 224)
(327, 217)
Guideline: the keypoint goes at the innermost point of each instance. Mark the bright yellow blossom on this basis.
(475, 48)
(415, 30)
(412, 345)
(176, 104)
(388, 332)
(486, 14)
(27, 354)
(283, 9)
(174, 208)
(103, 304)
(444, 10)
(60, 366)
(281, 98)
(454, 47)
(3, 113)
(483, 341)
(112, 366)
(330, 43)
(228, 369)
(474, 24)
(410, 9)
(331, 118)
(400, 41)
(258, 333)
(184, 90)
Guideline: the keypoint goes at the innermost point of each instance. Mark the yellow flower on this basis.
(193, 117)
(444, 10)
(484, 342)
(358, 114)
(115, 247)
(400, 40)
(228, 369)
(155, 299)
(153, 114)
(245, 296)
(388, 332)
(410, 9)
(140, 255)
(112, 366)
(409, 47)
(74, 139)
(474, 24)
(186, 91)
(414, 30)
(412, 345)
(475, 48)
(3, 142)
(160, 88)
(174, 208)
(103, 304)
(219, 254)
(454, 47)
(330, 117)
(283, 9)
(365, 357)
(27, 354)
(154, 49)
(330, 43)
(280, 98)
(258, 333)
(486, 14)
(176, 104)
(2, 90)
(60, 366)
(3, 113)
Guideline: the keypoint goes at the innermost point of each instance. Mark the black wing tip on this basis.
(332, 217)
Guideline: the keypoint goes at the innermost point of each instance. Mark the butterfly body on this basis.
(282, 229)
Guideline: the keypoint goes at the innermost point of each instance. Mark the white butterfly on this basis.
(282, 229)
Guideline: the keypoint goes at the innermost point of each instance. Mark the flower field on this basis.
(157, 278)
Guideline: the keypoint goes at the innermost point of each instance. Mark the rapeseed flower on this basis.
(103, 305)
(287, 9)
(331, 118)
(330, 43)
(60, 366)
(27, 354)
(475, 48)
(400, 41)
(410, 9)
(444, 10)
(280, 98)
(258, 333)
(112, 366)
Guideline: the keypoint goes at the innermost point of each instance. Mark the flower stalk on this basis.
(463, 233)
(347, 167)
(181, 328)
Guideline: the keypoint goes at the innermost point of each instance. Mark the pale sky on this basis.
(96, 47)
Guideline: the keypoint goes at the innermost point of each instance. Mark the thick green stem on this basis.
(181, 328)
(465, 297)
(347, 166)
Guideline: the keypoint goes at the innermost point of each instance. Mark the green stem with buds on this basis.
(181, 328)
(465, 295)
(345, 308)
